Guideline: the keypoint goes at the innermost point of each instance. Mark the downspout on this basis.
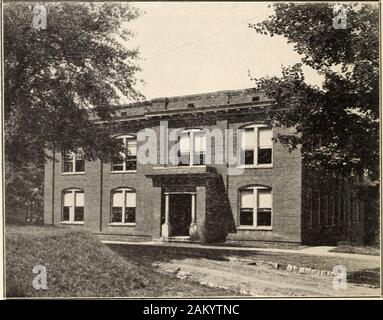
(101, 187)
(53, 186)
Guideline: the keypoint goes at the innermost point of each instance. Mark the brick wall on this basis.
(217, 198)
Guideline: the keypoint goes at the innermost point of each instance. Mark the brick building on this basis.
(272, 197)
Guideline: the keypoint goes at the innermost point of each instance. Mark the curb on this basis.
(289, 267)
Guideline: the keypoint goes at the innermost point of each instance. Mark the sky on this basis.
(193, 47)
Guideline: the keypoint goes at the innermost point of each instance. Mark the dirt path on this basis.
(257, 280)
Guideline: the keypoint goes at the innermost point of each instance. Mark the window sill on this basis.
(259, 166)
(72, 173)
(122, 224)
(180, 167)
(250, 228)
(126, 171)
(72, 222)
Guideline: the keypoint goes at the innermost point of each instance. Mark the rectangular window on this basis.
(68, 205)
(247, 212)
(127, 160)
(130, 207)
(73, 162)
(68, 163)
(192, 148)
(265, 145)
(256, 146)
(264, 208)
(256, 207)
(66, 213)
(118, 163)
(184, 149)
(123, 206)
(199, 148)
(118, 203)
(131, 155)
(248, 146)
(79, 207)
(73, 206)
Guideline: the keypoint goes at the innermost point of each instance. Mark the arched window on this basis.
(127, 160)
(73, 206)
(123, 206)
(255, 207)
(256, 145)
(191, 147)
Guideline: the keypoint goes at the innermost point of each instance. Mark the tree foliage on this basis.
(53, 77)
(337, 124)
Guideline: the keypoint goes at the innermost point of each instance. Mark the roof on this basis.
(202, 102)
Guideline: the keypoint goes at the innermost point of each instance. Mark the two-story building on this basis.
(238, 185)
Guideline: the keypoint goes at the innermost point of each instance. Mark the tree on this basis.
(338, 124)
(54, 76)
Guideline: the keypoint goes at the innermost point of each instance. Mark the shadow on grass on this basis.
(149, 254)
(368, 276)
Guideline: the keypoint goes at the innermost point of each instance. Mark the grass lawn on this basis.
(359, 271)
(79, 265)
(373, 251)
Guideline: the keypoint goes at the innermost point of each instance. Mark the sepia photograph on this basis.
(189, 150)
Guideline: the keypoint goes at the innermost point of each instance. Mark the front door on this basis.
(180, 214)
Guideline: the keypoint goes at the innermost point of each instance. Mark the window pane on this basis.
(264, 217)
(265, 137)
(118, 199)
(117, 167)
(246, 217)
(79, 214)
(67, 165)
(116, 214)
(68, 199)
(131, 149)
(199, 148)
(184, 143)
(199, 158)
(247, 199)
(131, 163)
(79, 199)
(199, 141)
(80, 165)
(264, 156)
(184, 159)
(130, 215)
(66, 211)
(264, 199)
(131, 199)
(117, 163)
(249, 156)
(248, 139)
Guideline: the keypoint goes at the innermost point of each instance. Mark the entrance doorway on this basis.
(180, 214)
